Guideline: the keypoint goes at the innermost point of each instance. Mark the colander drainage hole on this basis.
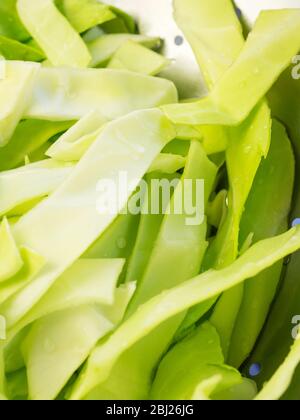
(254, 370)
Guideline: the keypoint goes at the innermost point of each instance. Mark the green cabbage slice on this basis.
(54, 34)
(14, 50)
(78, 200)
(32, 265)
(162, 307)
(28, 137)
(282, 378)
(272, 194)
(254, 71)
(214, 33)
(88, 281)
(131, 375)
(74, 143)
(10, 259)
(189, 363)
(84, 14)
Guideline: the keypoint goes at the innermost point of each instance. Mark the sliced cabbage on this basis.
(32, 264)
(54, 34)
(57, 345)
(137, 58)
(254, 72)
(214, 33)
(194, 360)
(282, 378)
(88, 281)
(36, 180)
(65, 225)
(166, 305)
(14, 50)
(272, 194)
(248, 144)
(10, 259)
(103, 48)
(84, 14)
(10, 24)
(28, 137)
(2, 328)
(15, 93)
(154, 267)
(68, 94)
(16, 384)
(74, 143)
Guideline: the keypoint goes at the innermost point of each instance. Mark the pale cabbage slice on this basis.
(2, 67)
(248, 144)
(74, 143)
(137, 58)
(12, 352)
(36, 180)
(2, 374)
(214, 33)
(71, 146)
(15, 93)
(10, 259)
(123, 295)
(62, 227)
(32, 264)
(167, 163)
(54, 34)
(244, 84)
(88, 281)
(57, 345)
(103, 48)
(62, 94)
(209, 388)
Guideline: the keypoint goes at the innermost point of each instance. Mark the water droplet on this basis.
(49, 346)
(256, 70)
(254, 369)
(121, 243)
(247, 149)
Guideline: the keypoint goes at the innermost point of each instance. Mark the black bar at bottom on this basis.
(149, 409)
